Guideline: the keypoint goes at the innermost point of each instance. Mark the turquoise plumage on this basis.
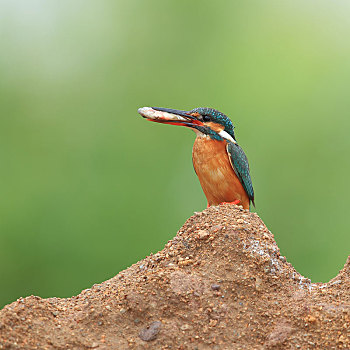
(240, 165)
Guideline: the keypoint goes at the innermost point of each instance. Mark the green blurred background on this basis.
(88, 187)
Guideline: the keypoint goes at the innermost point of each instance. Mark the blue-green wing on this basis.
(240, 165)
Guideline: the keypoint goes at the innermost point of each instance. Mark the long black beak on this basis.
(174, 111)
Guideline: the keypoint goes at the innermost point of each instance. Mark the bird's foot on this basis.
(235, 202)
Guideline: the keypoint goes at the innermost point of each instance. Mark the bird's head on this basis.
(204, 121)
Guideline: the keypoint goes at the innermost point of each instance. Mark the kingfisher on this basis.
(219, 162)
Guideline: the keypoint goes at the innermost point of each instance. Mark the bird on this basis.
(219, 162)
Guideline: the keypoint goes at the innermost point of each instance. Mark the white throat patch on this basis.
(222, 133)
(200, 134)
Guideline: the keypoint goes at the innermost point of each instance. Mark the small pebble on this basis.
(215, 286)
(185, 262)
(203, 234)
(151, 332)
(185, 327)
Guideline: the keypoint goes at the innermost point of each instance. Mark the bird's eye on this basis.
(206, 118)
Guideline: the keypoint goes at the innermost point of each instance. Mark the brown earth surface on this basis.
(221, 283)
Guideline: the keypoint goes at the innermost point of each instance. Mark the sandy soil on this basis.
(221, 283)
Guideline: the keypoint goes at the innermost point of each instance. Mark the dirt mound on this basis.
(221, 283)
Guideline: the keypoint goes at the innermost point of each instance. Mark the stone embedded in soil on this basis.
(221, 283)
(151, 332)
(215, 286)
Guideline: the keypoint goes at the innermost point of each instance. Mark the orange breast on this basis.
(216, 175)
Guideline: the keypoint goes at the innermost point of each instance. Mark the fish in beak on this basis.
(170, 116)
